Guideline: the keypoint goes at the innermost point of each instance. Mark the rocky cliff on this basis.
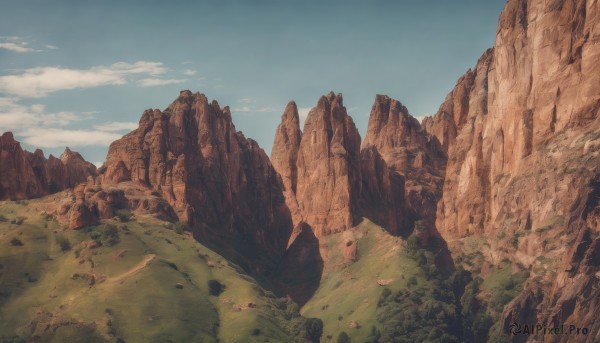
(521, 134)
(329, 178)
(26, 175)
(219, 182)
(284, 156)
(331, 182)
(410, 152)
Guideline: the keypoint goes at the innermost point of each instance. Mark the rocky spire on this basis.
(329, 180)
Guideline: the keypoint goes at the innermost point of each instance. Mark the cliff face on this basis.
(410, 152)
(331, 182)
(218, 181)
(26, 175)
(521, 134)
(284, 156)
(328, 165)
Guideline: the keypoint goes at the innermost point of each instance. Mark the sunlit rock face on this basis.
(521, 134)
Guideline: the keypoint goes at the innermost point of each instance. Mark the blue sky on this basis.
(80, 73)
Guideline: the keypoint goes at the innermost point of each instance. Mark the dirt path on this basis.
(143, 264)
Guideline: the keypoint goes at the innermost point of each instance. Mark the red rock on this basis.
(329, 179)
(284, 157)
(24, 175)
(383, 195)
(518, 131)
(413, 154)
(82, 213)
(216, 180)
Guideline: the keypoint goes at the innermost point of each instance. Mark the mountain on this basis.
(28, 175)
(219, 182)
(521, 132)
(467, 227)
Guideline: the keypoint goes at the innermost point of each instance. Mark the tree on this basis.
(314, 329)
(343, 338)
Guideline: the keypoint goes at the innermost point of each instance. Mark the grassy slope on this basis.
(134, 296)
(350, 290)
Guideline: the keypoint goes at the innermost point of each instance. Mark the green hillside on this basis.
(135, 280)
(387, 291)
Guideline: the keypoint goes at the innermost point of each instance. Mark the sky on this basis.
(80, 73)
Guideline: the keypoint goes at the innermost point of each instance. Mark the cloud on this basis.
(246, 101)
(43, 137)
(247, 109)
(303, 112)
(158, 82)
(189, 72)
(41, 81)
(51, 47)
(16, 47)
(15, 44)
(42, 129)
(14, 115)
(117, 126)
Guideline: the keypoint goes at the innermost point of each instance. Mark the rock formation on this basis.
(217, 180)
(383, 194)
(410, 152)
(284, 156)
(28, 175)
(320, 166)
(329, 178)
(521, 134)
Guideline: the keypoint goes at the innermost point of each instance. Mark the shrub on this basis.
(109, 235)
(63, 242)
(412, 281)
(343, 338)
(313, 329)
(384, 296)
(124, 215)
(413, 242)
(180, 227)
(15, 242)
(215, 288)
(18, 220)
(374, 336)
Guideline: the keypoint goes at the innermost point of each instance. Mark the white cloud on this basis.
(41, 129)
(247, 100)
(43, 137)
(39, 82)
(189, 72)
(16, 47)
(158, 82)
(51, 47)
(303, 113)
(16, 44)
(246, 109)
(14, 115)
(117, 126)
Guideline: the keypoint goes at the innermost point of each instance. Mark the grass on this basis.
(502, 284)
(550, 223)
(350, 291)
(149, 285)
